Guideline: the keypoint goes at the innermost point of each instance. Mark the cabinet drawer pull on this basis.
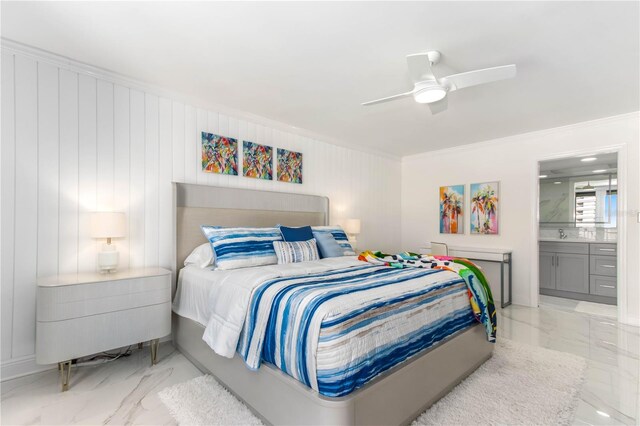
(608, 266)
(601, 249)
(607, 286)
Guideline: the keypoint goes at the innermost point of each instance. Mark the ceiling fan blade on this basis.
(420, 67)
(388, 98)
(474, 78)
(438, 107)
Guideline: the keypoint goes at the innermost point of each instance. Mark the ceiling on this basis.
(310, 64)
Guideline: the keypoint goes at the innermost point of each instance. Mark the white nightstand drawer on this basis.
(87, 313)
(81, 300)
(73, 338)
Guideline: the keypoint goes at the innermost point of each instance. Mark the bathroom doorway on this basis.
(577, 233)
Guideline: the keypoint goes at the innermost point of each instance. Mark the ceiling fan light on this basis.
(430, 95)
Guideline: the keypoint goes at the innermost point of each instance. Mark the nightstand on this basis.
(84, 314)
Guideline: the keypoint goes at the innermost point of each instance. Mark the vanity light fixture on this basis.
(600, 171)
(588, 159)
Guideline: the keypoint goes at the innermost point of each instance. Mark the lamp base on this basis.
(108, 259)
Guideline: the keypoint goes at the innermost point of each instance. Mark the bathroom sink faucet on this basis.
(562, 234)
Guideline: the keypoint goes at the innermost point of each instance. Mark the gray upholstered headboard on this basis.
(196, 205)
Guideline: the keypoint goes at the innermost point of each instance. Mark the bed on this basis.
(396, 396)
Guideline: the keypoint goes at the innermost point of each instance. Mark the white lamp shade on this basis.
(108, 225)
(352, 226)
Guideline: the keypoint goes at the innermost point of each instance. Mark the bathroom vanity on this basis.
(579, 270)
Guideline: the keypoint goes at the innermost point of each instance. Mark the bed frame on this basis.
(394, 398)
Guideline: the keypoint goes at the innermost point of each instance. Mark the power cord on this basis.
(102, 358)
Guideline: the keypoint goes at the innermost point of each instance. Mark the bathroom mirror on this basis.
(569, 194)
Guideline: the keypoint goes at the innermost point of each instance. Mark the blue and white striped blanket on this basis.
(339, 325)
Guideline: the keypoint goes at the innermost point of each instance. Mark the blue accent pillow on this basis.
(302, 233)
(327, 245)
(242, 247)
(340, 236)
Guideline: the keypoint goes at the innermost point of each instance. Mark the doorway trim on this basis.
(621, 150)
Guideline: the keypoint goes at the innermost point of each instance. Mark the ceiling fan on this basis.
(427, 89)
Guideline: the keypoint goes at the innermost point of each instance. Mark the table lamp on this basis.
(352, 228)
(108, 225)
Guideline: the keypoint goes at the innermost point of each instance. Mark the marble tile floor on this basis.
(598, 309)
(125, 391)
(610, 393)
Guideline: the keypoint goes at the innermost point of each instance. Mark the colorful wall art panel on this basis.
(219, 154)
(485, 199)
(257, 160)
(289, 166)
(452, 209)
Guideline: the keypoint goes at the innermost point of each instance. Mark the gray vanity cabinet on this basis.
(564, 267)
(584, 271)
(547, 270)
(572, 272)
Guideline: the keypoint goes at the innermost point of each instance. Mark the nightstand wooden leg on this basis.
(65, 374)
(153, 345)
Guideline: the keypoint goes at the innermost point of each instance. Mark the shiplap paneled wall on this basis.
(73, 143)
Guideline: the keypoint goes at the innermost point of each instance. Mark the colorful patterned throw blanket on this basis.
(480, 296)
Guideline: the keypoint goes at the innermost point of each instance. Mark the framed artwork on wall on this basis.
(452, 209)
(289, 166)
(485, 202)
(257, 160)
(219, 154)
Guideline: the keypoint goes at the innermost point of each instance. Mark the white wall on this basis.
(73, 143)
(513, 161)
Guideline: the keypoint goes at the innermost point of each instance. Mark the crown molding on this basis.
(40, 55)
(523, 137)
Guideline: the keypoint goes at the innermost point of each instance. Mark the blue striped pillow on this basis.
(338, 233)
(242, 247)
(296, 251)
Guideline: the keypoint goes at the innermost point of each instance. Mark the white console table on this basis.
(493, 255)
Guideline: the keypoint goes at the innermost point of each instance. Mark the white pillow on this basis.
(201, 256)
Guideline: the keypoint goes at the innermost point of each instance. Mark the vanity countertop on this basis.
(578, 240)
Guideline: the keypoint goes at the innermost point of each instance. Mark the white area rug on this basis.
(520, 384)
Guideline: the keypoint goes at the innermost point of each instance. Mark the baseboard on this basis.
(579, 296)
(23, 366)
(18, 367)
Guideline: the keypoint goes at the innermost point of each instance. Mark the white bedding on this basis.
(220, 299)
(192, 297)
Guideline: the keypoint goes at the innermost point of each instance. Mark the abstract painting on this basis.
(485, 199)
(219, 154)
(452, 209)
(257, 160)
(289, 166)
